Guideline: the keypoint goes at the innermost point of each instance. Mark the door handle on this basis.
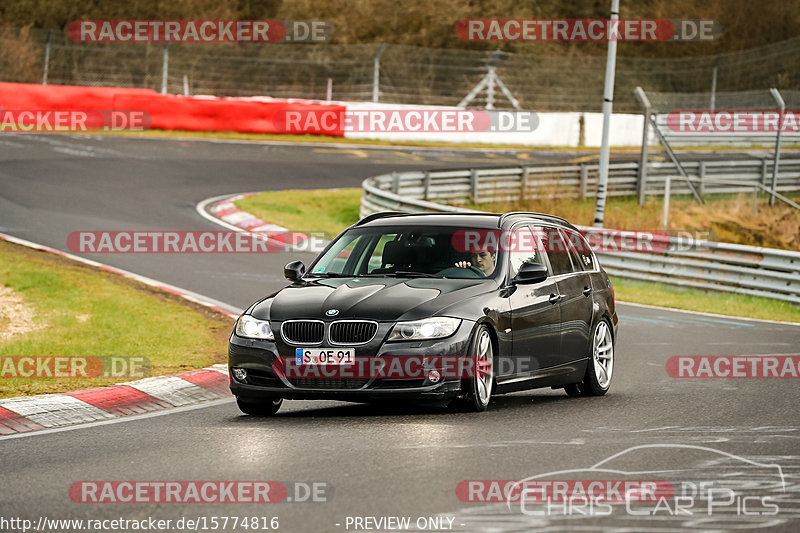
(587, 291)
(555, 298)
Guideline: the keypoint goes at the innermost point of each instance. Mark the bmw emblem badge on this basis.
(332, 312)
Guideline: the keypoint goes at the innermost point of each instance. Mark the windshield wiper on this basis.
(412, 274)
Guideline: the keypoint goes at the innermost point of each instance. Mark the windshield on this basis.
(411, 251)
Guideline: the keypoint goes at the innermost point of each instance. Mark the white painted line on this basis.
(53, 410)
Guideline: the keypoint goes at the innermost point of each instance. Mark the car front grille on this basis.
(352, 331)
(303, 331)
(328, 383)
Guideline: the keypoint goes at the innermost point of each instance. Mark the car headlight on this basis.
(429, 328)
(253, 328)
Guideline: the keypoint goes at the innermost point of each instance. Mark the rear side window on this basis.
(581, 253)
(555, 245)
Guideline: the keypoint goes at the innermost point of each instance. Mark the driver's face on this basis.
(483, 260)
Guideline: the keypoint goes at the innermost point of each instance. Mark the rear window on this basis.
(582, 255)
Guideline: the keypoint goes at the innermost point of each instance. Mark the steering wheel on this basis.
(477, 270)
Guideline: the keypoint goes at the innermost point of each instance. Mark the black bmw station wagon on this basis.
(450, 308)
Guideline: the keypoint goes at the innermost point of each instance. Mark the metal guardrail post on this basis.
(473, 185)
(584, 180)
(701, 173)
(782, 106)
(426, 181)
(376, 72)
(395, 182)
(764, 171)
(523, 184)
(665, 213)
(165, 69)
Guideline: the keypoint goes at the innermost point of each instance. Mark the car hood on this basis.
(382, 299)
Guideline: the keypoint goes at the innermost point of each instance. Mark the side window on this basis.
(525, 249)
(582, 255)
(375, 259)
(555, 245)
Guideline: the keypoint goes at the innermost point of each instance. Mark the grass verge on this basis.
(321, 210)
(721, 303)
(332, 210)
(79, 310)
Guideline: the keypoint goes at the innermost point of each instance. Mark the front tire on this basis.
(265, 408)
(601, 365)
(480, 384)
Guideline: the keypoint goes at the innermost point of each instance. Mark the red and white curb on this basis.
(223, 211)
(31, 413)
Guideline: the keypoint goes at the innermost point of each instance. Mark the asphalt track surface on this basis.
(389, 460)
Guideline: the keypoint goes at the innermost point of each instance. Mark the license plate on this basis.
(324, 356)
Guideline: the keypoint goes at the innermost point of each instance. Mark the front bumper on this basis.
(265, 380)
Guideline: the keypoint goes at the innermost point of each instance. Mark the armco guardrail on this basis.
(521, 183)
(708, 265)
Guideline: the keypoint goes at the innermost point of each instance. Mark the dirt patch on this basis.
(16, 317)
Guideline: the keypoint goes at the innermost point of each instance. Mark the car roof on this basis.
(482, 220)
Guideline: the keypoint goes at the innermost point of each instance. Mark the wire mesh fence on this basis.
(407, 74)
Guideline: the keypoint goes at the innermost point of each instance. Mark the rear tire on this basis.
(480, 384)
(264, 408)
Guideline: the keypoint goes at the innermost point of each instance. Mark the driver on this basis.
(484, 260)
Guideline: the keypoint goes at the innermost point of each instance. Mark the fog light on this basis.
(239, 374)
(434, 376)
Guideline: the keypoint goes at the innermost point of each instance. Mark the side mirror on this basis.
(530, 273)
(294, 270)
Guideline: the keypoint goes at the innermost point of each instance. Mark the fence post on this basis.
(426, 185)
(329, 92)
(782, 107)
(584, 180)
(701, 172)
(714, 71)
(523, 184)
(641, 178)
(185, 85)
(46, 57)
(165, 69)
(473, 185)
(395, 182)
(764, 171)
(376, 72)
(665, 214)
